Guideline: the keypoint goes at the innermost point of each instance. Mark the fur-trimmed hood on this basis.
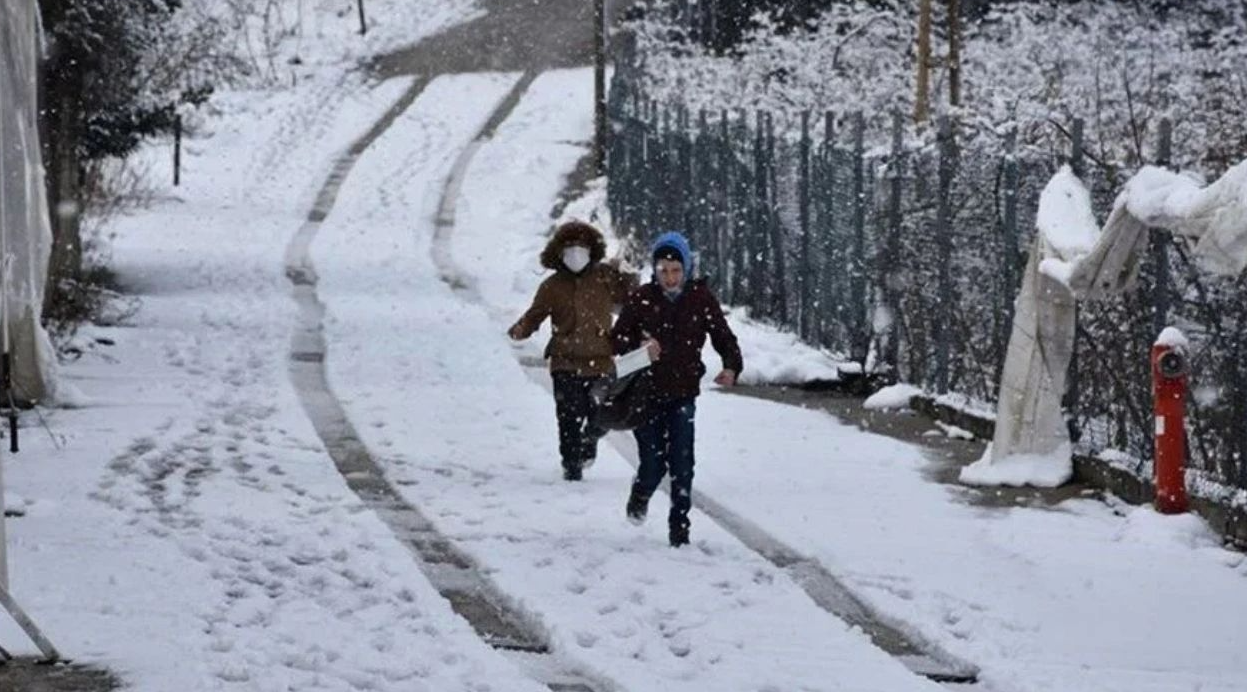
(573, 233)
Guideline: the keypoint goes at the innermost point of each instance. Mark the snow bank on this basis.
(1146, 527)
(1040, 470)
(773, 356)
(894, 396)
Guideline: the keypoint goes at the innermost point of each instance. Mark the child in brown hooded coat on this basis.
(578, 299)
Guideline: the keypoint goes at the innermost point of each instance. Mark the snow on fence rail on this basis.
(907, 255)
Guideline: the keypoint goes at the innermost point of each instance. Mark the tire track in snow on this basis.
(494, 616)
(444, 226)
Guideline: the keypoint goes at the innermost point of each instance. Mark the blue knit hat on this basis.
(674, 240)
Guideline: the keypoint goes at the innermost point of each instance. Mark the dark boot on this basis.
(638, 504)
(572, 472)
(678, 531)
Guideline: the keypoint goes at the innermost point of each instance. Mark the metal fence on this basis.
(906, 256)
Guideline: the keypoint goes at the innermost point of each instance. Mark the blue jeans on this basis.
(665, 445)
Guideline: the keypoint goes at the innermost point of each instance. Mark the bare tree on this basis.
(954, 52)
(922, 100)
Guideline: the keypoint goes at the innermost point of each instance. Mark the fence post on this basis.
(778, 264)
(1009, 241)
(1073, 380)
(712, 24)
(600, 130)
(702, 215)
(177, 150)
(888, 279)
(758, 232)
(1160, 242)
(688, 175)
(723, 217)
(667, 153)
(944, 249)
(742, 193)
(1238, 394)
(829, 303)
(1076, 144)
(857, 268)
(656, 177)
(803, 200)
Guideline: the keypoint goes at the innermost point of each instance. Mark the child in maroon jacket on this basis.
(672, 316)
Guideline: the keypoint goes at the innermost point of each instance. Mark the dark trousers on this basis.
(573, 404)
(665, 445)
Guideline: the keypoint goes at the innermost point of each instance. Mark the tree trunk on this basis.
(61, 85)
(922, 105)
(954, 53)
(64, 194)
(599, 87)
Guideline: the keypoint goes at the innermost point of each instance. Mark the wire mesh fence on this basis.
(903, 250)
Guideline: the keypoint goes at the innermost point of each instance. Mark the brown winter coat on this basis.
(578, 305)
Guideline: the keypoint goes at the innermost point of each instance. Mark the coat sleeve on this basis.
(721, 336)
(536, 313)
(623, 285)
(626, 334)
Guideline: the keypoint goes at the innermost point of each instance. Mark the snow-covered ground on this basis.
(186, 529)
(192, 533)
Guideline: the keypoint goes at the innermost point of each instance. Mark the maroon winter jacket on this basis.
(680, 327)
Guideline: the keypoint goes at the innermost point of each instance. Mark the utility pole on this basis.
(922, 100)
(954, 53)
(599, 87)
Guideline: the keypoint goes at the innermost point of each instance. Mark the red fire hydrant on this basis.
(1169, 383)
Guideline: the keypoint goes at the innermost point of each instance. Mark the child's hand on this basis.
(515, 333)
(653, 349)
(726, 378)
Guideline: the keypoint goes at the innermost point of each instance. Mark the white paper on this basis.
(631, 361)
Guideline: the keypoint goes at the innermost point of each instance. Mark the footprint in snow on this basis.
(680, 646)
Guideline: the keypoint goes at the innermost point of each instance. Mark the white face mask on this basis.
(576, 258)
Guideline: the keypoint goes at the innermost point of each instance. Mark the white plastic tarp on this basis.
(1031, 444)
(25, 234)
(1071, 260)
